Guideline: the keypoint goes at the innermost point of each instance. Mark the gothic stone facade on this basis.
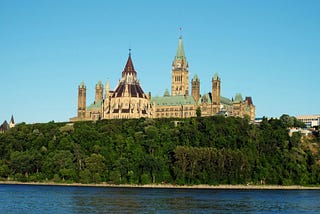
(129, 101)
(181, 104)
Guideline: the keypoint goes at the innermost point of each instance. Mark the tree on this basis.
(287, 120)
(95, 164)
(56, 160)
(4, 170)
(198, 112)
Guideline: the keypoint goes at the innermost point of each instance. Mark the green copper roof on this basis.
(195, 78)
(173, 100)
(207, 97)
(82, 85)
(99, 83)
(226, 101)
(95, 105)
(186, 100)
(166, 93)
(180, 52)
(216, 77)
(238, 97)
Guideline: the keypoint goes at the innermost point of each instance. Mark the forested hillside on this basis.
(208, 150)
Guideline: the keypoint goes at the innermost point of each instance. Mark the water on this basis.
(67, 199)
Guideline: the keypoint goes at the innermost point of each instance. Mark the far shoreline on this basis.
(171, 186)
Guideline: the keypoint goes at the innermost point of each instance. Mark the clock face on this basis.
(178, 65)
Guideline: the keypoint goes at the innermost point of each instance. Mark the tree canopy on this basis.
(201, 150)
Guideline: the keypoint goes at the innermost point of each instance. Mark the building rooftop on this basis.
(186, 100)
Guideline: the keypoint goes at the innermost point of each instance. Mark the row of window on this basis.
(178, 78)
(176, 114)
(173, 109)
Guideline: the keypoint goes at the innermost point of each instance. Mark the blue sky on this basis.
(267, 49)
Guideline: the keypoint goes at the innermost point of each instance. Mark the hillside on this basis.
(210, 150)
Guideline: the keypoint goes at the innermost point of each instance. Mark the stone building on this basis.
(128, 100)
(5, 126)
(181, 104)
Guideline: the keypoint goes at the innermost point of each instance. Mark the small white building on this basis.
(310, 120)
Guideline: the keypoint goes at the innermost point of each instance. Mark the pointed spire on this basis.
(180, 52)
(107, 85)
(129, 69)
(12, 124)
(12, 120)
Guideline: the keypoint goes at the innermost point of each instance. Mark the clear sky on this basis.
(267, 49)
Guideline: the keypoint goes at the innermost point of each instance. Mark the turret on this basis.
(82, 96)
(216, 89)
(99, 92)
(195, 88)
(107, 89)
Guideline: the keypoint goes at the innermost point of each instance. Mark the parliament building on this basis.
(128, 100)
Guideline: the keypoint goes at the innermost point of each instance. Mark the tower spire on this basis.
(180, 78)
(129, 69)
(180, 52)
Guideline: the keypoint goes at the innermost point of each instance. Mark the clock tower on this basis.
(180, 73)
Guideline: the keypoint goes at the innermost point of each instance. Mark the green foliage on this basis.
(290, 121)
(201, 150)
(198, 112)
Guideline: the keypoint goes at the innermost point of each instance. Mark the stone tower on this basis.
(99, 92)
(180, 79)
(216, 89)
(107, 89)
(82, 90)
(195, 88)
(12, 123)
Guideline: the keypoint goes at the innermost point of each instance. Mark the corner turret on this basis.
(99, 92)
(195, 88)
(82, 96)
(216, 91)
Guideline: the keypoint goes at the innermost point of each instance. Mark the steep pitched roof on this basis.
(134, 90)
(225, 101)
(129, 85)
(238, 98)
(129, 69)
(12, 120)
(4, 127)
(180, 52)
(249, 100)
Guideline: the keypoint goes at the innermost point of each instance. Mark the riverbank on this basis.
(171, 186)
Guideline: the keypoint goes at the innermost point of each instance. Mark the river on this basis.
(71, 199)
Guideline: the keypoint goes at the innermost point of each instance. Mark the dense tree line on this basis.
(207, 150)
